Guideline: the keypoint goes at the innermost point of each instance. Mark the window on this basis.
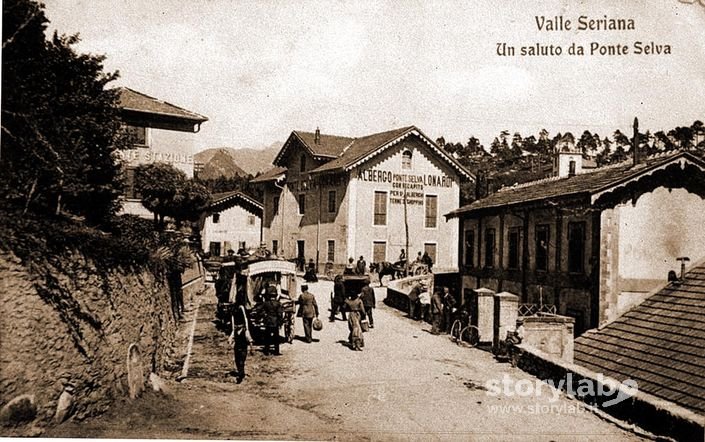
(214, 248)
(137, 135)
(571, 168)
(303, 163)
(302, 204)
(275, 246)
(542, 239)
(489, 248)
(380, 209)
(331, 201)
(130, 190)
(469, 248)
(406, 159)
(514, 239)
(251, 220)
(430, 248)
(300, 248)
(379, 251)
(576, 247)
(331, 250)
(275, 204)
(431, 211)
(216, 218)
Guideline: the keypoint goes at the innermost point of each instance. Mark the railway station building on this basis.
(330, 198)
(162, 132)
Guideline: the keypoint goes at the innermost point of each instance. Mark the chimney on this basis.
(635, 142)
(317, 137)
(683, 260)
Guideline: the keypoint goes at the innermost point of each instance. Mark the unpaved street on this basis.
(406, 384)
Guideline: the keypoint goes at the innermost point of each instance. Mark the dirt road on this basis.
(407, 384)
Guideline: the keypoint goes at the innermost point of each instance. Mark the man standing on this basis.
(436, 311)
(361, 268)
(338, 298)
(414, 300)
(308, 309)
(449, 304)
(368, 300)
(240, 337)
(271, 308)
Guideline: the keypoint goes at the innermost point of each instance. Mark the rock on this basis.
(19, 410)
(135, 373)
(158, 384)
(64, 407)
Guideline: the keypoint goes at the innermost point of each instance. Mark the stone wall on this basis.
(66, 326)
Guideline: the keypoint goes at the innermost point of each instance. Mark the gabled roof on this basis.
(132, 100)
(274, 174)
(587, 185)
(225, 200)
(660, 344)
(345, 153)
(327, 147)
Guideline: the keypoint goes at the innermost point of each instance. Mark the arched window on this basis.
(406, 159)
(303, 163)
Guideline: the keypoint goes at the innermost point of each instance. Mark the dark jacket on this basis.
(414, 293)
(361, 267)
(308, 308)
(272, 311)
(339, 292)
(368, 296)
(449, 300)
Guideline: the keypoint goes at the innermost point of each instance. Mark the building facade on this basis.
(161, 132)
(332, 198)
(592, 244)
(233, 222)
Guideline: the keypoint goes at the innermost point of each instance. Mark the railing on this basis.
(535, 309)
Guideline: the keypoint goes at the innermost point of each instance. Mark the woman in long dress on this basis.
(356, 313)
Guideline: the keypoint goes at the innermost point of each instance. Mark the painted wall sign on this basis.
(140, 156)
(403, 180)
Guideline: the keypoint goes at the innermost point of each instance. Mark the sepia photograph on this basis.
(443, 220)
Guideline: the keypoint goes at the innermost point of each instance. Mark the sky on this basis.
(260, 69)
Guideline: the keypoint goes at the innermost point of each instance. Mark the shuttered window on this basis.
(431, 211)
(380, 209)
(331, 250)
(379, 251)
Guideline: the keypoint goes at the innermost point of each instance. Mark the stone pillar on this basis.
(483, 314)
(506, 309)
(552, 334)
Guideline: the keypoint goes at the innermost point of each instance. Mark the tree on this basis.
(190, 201)
(60, 125)
(587, 144)
(698, 130)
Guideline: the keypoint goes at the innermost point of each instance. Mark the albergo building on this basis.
(330, 198)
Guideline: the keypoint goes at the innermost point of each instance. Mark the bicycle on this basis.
(464, 333)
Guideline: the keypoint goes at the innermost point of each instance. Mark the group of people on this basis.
(441, 306)
(355, 308)
(356, 268)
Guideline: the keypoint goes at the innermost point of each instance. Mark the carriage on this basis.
(249, 278)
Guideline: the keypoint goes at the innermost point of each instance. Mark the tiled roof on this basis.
(583, 184)
(660, 344)
(272, 174)
(327, 146)
(130, 99)
(228, 199)
(360, 147)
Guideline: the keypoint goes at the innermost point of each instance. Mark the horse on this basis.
(385, 268)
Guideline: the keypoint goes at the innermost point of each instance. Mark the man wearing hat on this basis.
(272, 320)
(368, 300)
(308, 309)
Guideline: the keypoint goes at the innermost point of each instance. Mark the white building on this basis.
(233, 222)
